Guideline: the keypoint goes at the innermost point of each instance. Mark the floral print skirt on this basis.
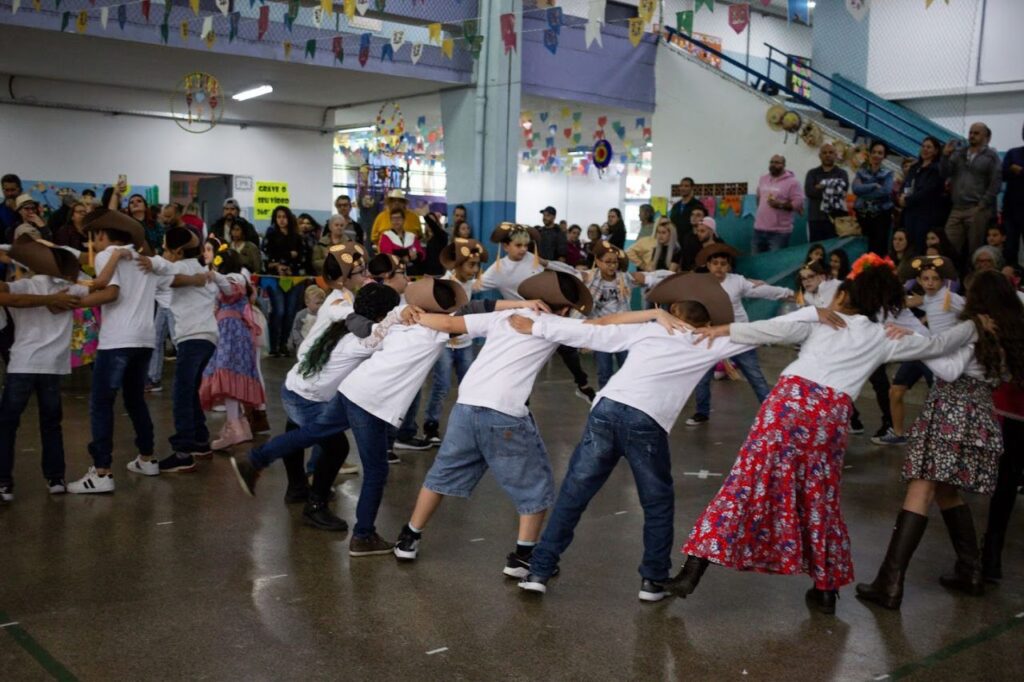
(778, 510)
(85, 336)
(956, 439)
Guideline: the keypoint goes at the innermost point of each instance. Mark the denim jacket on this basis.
(873, 190)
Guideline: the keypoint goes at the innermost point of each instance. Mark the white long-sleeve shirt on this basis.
(843, 359)
(193, 307)
(506, 275)
(739, 288)
(661, 370)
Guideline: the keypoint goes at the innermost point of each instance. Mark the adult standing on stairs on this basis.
(873, 185)
(680, 213)
(823, 186)
(975, 176)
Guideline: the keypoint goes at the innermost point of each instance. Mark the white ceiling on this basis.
(93, 60)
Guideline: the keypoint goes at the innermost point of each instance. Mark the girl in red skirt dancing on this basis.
(778, 510)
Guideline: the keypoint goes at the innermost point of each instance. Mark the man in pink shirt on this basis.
(779, 196)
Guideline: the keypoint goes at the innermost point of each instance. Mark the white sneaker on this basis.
(92, 483)
(348, 468)
(141, 466)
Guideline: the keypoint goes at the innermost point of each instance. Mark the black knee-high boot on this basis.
(1003, 500)
(887, 589)
(966, 575)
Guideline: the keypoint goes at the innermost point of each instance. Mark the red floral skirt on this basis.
(778, 510)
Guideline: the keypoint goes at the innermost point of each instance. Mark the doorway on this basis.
(206, 191)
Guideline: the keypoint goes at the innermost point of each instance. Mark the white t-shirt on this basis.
(822, 298)
(42, 340)
(939, 319)
(739, 288)
(502, 375)
(506, 275)
(462, 340)
(385, 384)
(193, 307)
(661, 370)
(128, 321)
(337, 306)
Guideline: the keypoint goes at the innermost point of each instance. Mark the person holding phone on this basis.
(398, 242)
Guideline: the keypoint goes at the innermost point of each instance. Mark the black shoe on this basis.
(177, 463)
(887, 588)
(652, 591)
(534, 583)
(6, 492)
(991, 556)
(966, 576)
(414, 443)
(586, 392)
(697, 419)
(247, 475)
(369, 546)
(822, 600)
(56, 486)
(516, 566)
(408, 544)
(393, 458)
(296, 493)
(856, 425)
(316, 513)
(689, 576)
(432, 433)
(883, 429)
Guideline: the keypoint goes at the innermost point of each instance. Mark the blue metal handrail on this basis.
(859, 129)
(772, 49)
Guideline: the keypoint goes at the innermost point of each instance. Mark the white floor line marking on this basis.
(7, 625)
(881, 677)
(1020, 615)
(165, 523)
(702, 474)
(619, 513)
(437, 651)
(477, 540)
(28, 449)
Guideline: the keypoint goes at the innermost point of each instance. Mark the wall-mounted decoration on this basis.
(197, 102)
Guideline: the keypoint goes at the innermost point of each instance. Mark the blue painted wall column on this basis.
(481, 128)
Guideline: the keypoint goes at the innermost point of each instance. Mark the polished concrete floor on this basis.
(184, 577)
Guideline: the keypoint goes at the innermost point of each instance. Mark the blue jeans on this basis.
(480, 438)
(614, 431)
(190, 432)
(283, 307)
(18, 390)
(316, 421)
(769, 241)
(119, 368)
(749, 367)
(460, 359)
(164, 324)
(606, 364)
(408, 429)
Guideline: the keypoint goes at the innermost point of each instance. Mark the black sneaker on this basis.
(408, 544)
(56, 486)
(856, 425)
(883, 429)
(247, 475)
(393, 458)
(697, 419)
(202, 451)
(177, 463)
(316, 513)
(516, 566)
(652, 591)
(534, 583)
(297, 493)
(414, 443)
(586, 393)
(369, 546)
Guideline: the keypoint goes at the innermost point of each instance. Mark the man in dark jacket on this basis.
(975, 178)
(680, 212)
(232, 214)
(554, 243)
(1013, 202)
(825, 176)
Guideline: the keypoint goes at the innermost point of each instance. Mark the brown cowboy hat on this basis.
(45, 258)
(460, 250)
(712, 250)
(424, 293)
(504, 230)
(104, 219)
(193, 238)
(916, 265)
(558, 290)
(603, 246)
(349, 256)
(701, 288)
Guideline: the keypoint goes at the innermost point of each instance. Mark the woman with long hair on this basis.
(923, 197)
(283, 259)
(900, 247)
(956, 444)
(839, 264)
(616, 229)
(873, 185)
(73, 233)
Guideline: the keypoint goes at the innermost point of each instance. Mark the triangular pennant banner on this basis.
(318, 16)
(145, 9)
(711, 5)
(350, 9)
(434, 33)
(291, 14)
(65, 19)
(233, 26)
(555, 19)
(416, 52)
(645, 10)
(470, 29)
(194, 4)
(387, 52)
(183, 31)
(263, 23)
(364, 49)
(739, 17)
(684, 21)
(223, 6)
(338, 49)
(327, 7)
(362, 6)
(447, 47)
(207, 32)
(636, 30)
(397, 40)
(508, 32)
(379, 4)
(15, 6)
(164, 30)
(104, 16)
(311, 47)
(82, 22)
(287, 45)
(799, 10)
(551, 40)
(595, 17)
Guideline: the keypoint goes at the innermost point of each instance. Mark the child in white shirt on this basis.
(40, 307)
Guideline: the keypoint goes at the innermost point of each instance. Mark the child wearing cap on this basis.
(490, 426)
(126, 343)
(942, 309)
(720, 259)
(40, 307)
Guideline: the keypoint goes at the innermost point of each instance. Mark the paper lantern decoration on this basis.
(197, 102)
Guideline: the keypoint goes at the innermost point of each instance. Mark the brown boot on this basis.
(887, 589)
(966, 575)
(258, 421)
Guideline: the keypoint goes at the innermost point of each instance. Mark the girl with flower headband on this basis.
(778, 511)
(232, 376)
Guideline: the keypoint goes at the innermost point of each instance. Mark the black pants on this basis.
(334, 450)
(571, 358)
(820, 230)
(876, 228)
(1011, 465)
(880, 382)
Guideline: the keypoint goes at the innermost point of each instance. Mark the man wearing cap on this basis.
(553, 244)
(704, 234)
(232, 215)
(382, 223)
(27, 209)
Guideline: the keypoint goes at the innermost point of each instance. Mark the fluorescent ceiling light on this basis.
(357, 129)
(257, 91)
(811, 4)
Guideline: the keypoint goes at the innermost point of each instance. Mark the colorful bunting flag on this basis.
(447, 47)
(311, 47)
(318, 16)
(595, 17)
(551, 40)
(164, 29)
(327, 7)
(233, 26)
(145, 9)
(470, 28)
(122, 16)
(387, 53)
(291, 14)
(183, 31)
(380, 5)
(350, 9)
(364, 49)
(64, 20)
(207, 32)
(416, 52)
(684, 22)
(287, 45)
(104, 16)
(554, 15)
(263, 23)
(645, 10)
(82, 22)
(15, 6)
(194, 4)
(397, 40)
(508, 32)
(338, 49)
(858, 9)
(710, 5)
(223, 6)
(37, 4)
(636, 30)
(434, 33)
(739, 17)
(362, 6)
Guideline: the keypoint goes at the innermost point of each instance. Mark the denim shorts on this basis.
(478, 438)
